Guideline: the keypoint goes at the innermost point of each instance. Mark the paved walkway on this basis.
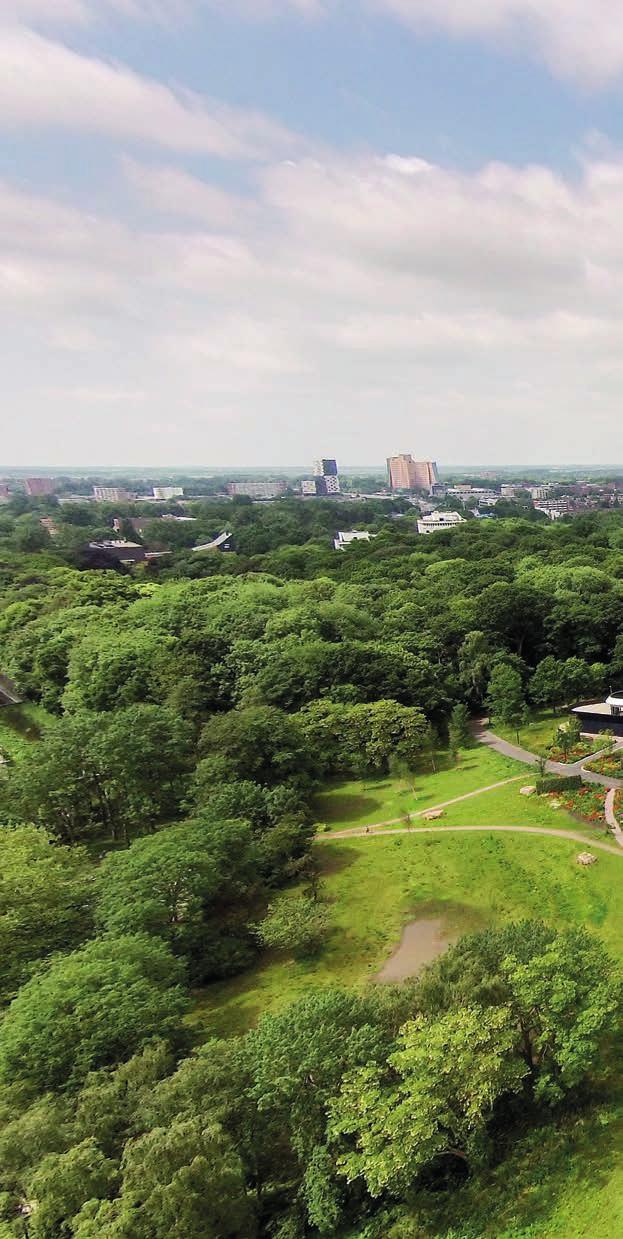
(375, 833)
(611, 817)
(567, 770)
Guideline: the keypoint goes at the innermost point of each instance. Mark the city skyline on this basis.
(233, 231)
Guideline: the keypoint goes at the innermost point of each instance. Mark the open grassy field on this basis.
(362, 802)
(376, 884)
(563, 1181)
(557, 1183)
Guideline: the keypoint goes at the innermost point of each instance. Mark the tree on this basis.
(45, 901)
(433, 1098)
(607, 741)
(294, 1061)
(362, 737)
(91, 1008)
(562, 987)
(189, 885)
(567, 736)
(260, 743)
(63, 1182)
(109, 669)
(185, 1181)
(474, 660)
(140, 756)
(459, 733)
(297, 924)
(546, 684)
(106, 774)
(505, 699)
(430, 744)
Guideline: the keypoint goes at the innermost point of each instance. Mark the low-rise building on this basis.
(600, 716)
(168, 492)
(9, 694)
(346, 537)
(550, 510)
(439, 520)
(221, 543)
(120, 552)
(257, 490)
(111, 494)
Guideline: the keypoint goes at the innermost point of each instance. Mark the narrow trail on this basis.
(368, 832)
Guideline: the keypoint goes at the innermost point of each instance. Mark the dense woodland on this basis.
(158, 838)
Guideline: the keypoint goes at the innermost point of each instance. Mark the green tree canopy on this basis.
(93, 1007)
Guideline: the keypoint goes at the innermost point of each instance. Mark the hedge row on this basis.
(558, 783)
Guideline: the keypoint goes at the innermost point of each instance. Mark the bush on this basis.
(558, 783)
(297, 924)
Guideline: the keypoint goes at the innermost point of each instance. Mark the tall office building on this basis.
(325, 481)
(426, 474)
(325, 468)
(39, 486)
(405, 473)
(401, 471)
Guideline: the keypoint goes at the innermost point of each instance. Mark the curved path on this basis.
(567, 770)
(611, 817)
(368, 832)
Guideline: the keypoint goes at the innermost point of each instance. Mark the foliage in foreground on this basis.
(338, 1109)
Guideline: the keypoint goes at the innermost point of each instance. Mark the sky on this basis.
(257, 232)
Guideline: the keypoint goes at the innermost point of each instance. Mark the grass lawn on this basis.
(362, 802)
(377, 884)
(19, 726)
(559, 1182)
(538, 734)
(507, 807)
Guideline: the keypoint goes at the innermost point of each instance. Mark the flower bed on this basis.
(587, 802)
(575, 754)
(610, 765)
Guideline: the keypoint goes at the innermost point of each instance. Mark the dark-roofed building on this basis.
(119, 552)
(600, 716)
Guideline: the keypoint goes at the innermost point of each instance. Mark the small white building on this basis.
(168, 492)
(439, 520)
(346, 537)
(550, 510)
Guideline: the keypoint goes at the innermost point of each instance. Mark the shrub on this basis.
(558, 783)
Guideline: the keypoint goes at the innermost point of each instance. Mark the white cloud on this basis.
(581, 39)
(259, 10)
(45, 85)
(170, 190)
(48, 12)
(370, 304)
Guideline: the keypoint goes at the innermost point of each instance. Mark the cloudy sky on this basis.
(258, 231)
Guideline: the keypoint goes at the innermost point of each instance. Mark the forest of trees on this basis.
(150, 833)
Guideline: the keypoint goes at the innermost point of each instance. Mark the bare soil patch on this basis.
(422, 941)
